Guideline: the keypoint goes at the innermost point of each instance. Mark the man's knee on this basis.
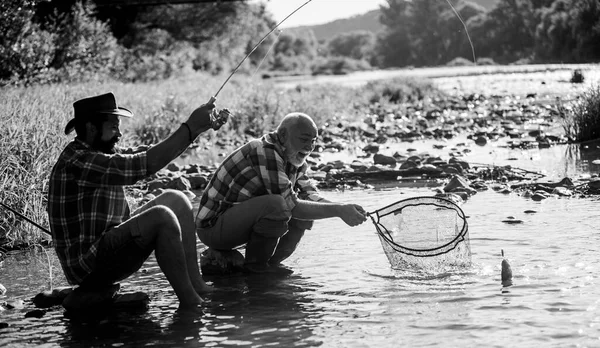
(301, 224)
(275, 208)
(158, 219)
(177, 201)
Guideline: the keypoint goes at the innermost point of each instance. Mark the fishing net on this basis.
(429, 233)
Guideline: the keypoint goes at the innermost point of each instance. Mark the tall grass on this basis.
(33, 120)
(581, 120)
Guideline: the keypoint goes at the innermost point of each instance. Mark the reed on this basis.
(581, 119)
(33, 119)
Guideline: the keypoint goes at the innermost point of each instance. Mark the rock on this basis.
(179, 183)
(197, 181)
(51, 298)
(457, 181)
(133, 300)
(15, 304)
(174, 167)
(81, 299)
(156, 184)
(221, 262)
(539, 196)
(371, 148)
(2, 290)
(384, 160)
(562, 191)
(36, 313)
(481, 141)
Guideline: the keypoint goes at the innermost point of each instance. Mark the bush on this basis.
(460, 61)
(401, 90)
(338, 66)
(486, 61)
(581, 121)
(577, 76)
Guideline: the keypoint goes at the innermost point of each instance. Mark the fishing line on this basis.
(25, 218)
(466, 30)
(266, 54)
(213, 98)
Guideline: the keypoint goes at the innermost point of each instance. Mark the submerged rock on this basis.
(51, 298)
(221, 262)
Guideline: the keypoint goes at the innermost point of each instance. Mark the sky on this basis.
(318, 11)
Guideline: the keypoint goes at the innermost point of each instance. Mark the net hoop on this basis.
(440, 202)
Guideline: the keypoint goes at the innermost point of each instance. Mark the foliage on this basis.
(400, 90)
(569, 31)
(581, 121)
(357, 45)
(423, 32)
(460, 61)
(338, 66)
(577, 76)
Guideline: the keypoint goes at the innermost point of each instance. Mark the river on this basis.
(343, 292)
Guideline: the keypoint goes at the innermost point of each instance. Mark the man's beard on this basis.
(294, 158)
(107, 147)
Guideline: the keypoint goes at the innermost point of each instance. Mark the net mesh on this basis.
(424, 232)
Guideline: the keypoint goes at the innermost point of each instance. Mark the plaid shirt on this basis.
(255, 169)
(85, 199)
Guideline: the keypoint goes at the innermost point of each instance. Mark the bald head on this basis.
(296, 121)
(297, 133)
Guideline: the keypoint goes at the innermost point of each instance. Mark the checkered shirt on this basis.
(255, 169)
(86, 198)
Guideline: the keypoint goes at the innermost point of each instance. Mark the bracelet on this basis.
(189, 132)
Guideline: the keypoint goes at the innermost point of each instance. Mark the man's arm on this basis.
(167, 150)
(351, 214)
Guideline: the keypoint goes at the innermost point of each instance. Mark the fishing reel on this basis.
(218, 119)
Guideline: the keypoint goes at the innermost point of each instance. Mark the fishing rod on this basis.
(214, 98)
(26, 218)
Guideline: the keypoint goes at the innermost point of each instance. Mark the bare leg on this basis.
(182, 208)
(160, 225)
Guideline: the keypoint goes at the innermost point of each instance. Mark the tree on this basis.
(393, 47)
(357, 45)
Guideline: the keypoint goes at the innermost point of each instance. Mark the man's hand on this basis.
(200, 119)
(219, 119)
(353, 214)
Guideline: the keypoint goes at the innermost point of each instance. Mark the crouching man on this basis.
(261, 197)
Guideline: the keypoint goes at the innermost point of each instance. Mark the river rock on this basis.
(384, 160)
(36, 313)
(51, 298)
(539, 195)
(15, 304)
(221, 262)
(179, 183)
(83, 299)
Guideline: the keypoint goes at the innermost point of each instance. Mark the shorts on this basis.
(122, 251)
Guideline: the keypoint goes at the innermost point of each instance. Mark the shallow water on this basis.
(344, 293)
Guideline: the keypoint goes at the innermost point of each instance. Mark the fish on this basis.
(506, 274)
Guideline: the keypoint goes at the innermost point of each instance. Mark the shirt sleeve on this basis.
(99, 169)
(271, 169)
(307, 190)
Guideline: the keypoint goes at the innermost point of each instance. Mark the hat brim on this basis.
(122, 112)
(119, 112)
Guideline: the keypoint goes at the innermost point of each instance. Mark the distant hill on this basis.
(368, 22)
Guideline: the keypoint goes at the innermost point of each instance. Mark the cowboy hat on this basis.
(104, 104)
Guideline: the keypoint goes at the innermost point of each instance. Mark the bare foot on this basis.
(203, 288)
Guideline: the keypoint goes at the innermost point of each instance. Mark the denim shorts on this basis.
(122, 251)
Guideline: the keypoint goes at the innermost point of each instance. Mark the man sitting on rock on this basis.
(97, 239)
(260, 196)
